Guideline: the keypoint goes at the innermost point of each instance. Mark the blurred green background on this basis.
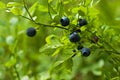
(19, 54)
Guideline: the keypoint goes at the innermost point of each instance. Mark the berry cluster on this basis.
(74, 37)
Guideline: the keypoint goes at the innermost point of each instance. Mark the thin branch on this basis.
(25, 6)
(53, 26)
(49, 10)
(26, 17)
(18, 76)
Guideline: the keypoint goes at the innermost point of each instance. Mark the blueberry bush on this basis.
(59, 40)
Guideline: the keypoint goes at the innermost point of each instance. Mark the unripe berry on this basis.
(95, 39)
(85, 52)
(82, 22)
(31, 32)
(74, 37)
(64, 21)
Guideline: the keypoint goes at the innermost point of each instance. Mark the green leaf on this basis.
(63, 64)
(75, 10)
(58, 64)
(91, 10)
(81, 13)
(115, 58)
(43, 8)
(56, 52)
(2, 5)
(11, 62)
(51, 10)
(49, 1)
(82, 10)
(53, 40)
(68, 64)
(56, 19)
(16, 4)
(64, 61)
(47, 49)
(94, 2)
(88, 2)
(16, 11)
(51, 47)
(33, 8)
(60, 9)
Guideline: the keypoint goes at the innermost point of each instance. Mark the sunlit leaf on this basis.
(10, 63)
(33, 8)
(16, 4)
(16, 11)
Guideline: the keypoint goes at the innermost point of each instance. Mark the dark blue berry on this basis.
(74, 37)
(85, 52)
(31, 32)
(82, 22)
(64, 21)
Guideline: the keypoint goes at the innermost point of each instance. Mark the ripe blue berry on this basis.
(64, 21)
(31, 32)
(74, 37)
(85, 52)
(82, 22)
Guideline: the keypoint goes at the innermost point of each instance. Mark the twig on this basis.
(27, 10)
(52, 26)
(26, 17)
(18, 76)
(61, 27)
(49, 10)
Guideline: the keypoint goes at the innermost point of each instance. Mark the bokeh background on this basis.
(19, 54)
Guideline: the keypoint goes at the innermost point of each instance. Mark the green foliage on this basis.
(50, 55)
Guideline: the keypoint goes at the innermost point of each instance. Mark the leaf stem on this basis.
(52, 26)
(18, 76)
(49, 9)
(46, 25)
(25, 6)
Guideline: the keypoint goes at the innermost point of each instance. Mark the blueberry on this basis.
(64, 21)
(31, 32)
(74, 37)
(82, 22)
(85, 52)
